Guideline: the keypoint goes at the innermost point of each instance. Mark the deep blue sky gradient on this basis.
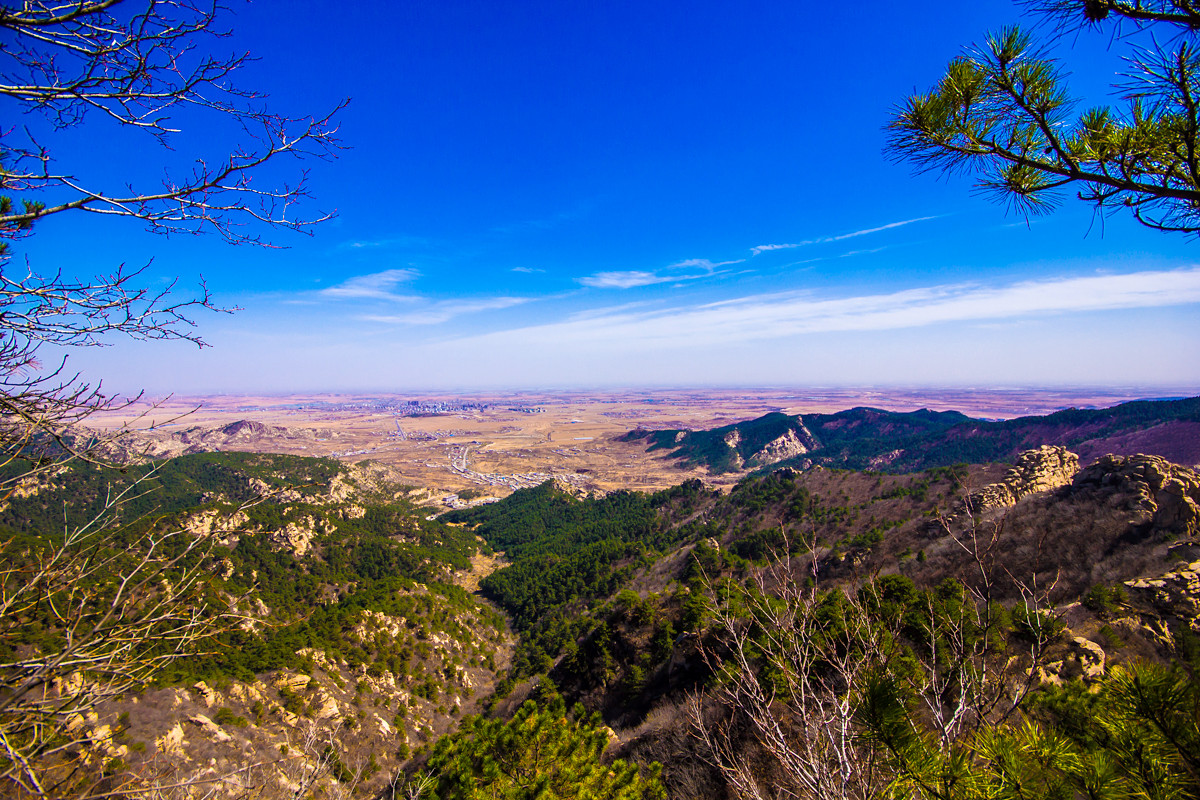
(544, 194)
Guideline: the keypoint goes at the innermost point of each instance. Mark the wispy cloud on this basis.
(766, 248)
(853, 253)
(623, 280)
(776, 316)
(391, 241)
(446, 310)
(376, 286)
(703, 263)
(527, 270)
(689, 269)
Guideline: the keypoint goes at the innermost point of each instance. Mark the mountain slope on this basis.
(1107, 551)
(318, 611)
(869, 438)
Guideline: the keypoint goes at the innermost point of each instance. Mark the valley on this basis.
(357, 623)
(490, 445)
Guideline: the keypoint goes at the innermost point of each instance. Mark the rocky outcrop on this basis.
(266, 490)
(212, 522)
(340, 490)
(296, 536)
(1166, 493)
(1079, 658)
(786, 446)
(206, 694)
(171, 742)
(31, 485)
(1035, 471)
(1089, 657)
(211, 729)
(732, 440)
(292, 683)
(1174, 595)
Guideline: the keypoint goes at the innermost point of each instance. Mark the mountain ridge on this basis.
(872, 438)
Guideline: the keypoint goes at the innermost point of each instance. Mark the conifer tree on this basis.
(540, 754)
(1003, 112)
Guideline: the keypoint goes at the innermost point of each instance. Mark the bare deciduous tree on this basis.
(133, 66)
(84, 615)
(67, 63)
(84, 622)
(818, 684)
(789, 673)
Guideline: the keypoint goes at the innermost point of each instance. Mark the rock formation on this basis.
(296, 536)
(1080, 659)
(786, 446)
(732, 440)
(1173, 595)
(1167, 493)
(1039, 470)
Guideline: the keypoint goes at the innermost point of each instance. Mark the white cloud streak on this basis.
(393, 241)
(778, 316)
(703, 263)
(446, 310)
(376, 286)
(630, 279)
(766, 248)
(624, 280)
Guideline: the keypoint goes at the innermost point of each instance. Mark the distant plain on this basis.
(572, 437)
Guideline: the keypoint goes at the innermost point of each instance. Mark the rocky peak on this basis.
(1041, 470)
(784, 447)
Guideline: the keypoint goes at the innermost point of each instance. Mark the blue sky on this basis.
(548, 194)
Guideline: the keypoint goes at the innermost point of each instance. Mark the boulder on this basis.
(1089, 658)
(327, 707)
(1080, 658)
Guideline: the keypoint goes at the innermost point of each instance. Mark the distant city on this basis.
(397, 406)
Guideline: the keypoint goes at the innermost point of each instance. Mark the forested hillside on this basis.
(986, 610)
(318, 604)
(833, 586)
(871, 438)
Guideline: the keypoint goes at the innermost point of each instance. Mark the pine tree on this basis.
(1003, 112)
(540, 754)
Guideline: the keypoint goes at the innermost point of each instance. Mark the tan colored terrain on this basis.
(500, 442)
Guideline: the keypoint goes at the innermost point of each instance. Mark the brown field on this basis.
(573, 438)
